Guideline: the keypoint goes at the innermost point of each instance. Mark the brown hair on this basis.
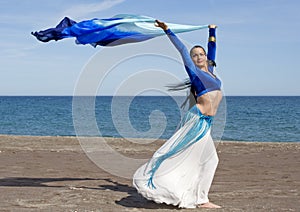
(197, 46)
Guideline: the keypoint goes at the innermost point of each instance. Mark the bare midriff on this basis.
(209, 102)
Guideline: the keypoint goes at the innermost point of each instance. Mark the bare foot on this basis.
(208, 205)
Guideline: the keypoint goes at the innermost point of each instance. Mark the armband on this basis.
(211, 39)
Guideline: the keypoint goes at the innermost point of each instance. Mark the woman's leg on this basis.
(208, 167)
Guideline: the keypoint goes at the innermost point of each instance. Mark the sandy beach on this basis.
(55, 174)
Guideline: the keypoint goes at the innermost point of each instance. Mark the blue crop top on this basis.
(202, 81)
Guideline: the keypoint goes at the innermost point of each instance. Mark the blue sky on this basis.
(258, 42)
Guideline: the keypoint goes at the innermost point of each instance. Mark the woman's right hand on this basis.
(161, 24)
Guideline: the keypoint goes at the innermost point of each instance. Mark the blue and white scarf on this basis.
(120, 29)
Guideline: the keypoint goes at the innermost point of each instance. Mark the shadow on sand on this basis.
(132, 200)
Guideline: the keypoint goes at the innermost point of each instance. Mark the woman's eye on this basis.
(200, 55)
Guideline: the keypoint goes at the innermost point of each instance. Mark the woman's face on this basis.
(198, 56)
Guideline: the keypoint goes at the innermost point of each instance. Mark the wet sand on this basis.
(55, 174)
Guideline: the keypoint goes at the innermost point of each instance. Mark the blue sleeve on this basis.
(189, 64)
(211, 46)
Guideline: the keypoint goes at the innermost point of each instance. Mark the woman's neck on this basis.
(203, 68)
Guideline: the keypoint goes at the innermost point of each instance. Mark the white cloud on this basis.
(81, 10)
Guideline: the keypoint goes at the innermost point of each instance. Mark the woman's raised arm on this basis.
(189, 64)
(211, 46)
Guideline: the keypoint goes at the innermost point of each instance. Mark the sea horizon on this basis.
(248, 118)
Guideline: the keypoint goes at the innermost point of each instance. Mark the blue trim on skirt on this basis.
(201, 124)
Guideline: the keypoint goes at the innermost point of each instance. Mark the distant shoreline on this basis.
(122, 138)
(142, 95)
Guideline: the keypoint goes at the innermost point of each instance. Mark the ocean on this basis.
(243, 118)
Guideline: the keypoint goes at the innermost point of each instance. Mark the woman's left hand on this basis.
(212, 26)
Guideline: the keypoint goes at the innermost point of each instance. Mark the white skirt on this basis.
(183, 179)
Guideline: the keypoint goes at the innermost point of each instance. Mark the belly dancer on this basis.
(182, 169)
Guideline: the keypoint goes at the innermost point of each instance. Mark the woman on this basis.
(181, 171)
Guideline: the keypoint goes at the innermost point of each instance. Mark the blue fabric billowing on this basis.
(54, 33)
(201, 125)
(117, 30)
